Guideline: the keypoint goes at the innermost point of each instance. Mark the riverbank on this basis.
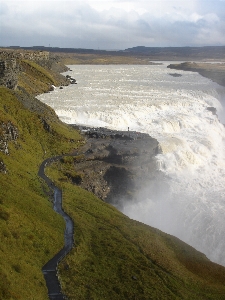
(212, 71)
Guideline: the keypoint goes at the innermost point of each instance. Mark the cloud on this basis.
(112, 24)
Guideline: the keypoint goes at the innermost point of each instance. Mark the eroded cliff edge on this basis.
(115, 165)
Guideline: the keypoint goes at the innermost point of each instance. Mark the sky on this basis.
(112, 25)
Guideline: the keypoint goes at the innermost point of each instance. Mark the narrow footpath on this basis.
(49, 270)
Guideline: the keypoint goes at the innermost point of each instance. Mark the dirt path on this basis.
(116, 157)
(50, 268)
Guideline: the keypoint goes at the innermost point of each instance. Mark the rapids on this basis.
(190, 202)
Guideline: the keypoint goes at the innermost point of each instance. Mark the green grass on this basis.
(30, 232)
(118, 258)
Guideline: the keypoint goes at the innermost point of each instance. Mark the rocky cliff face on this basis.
(116, 164)
(9, 73)
(10, 65)
(8, 132)
(19, 55)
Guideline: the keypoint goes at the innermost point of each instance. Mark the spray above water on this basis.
(189, 200)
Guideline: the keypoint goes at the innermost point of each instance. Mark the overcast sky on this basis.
(114, 24)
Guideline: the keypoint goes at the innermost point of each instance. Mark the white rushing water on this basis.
(174, 111)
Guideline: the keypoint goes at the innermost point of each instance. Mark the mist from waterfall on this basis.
(189, 202)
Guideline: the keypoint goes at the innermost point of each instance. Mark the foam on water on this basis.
(190, 202)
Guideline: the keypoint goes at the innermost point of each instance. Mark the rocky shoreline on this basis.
(114, 165)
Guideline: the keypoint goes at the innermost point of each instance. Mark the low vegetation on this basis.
(96, 59)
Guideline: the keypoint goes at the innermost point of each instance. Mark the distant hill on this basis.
(60, 50)
(208, 52)
(154, 53)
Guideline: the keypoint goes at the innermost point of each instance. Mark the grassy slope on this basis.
(30, 231)
(114, 258)
(34, 78)
(118, 258)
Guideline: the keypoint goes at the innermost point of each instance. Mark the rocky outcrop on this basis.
(46, 126)
(72, 80)
(9, 69)
(116, 164)
(2, 167)
(8, 132)
(175, 74)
